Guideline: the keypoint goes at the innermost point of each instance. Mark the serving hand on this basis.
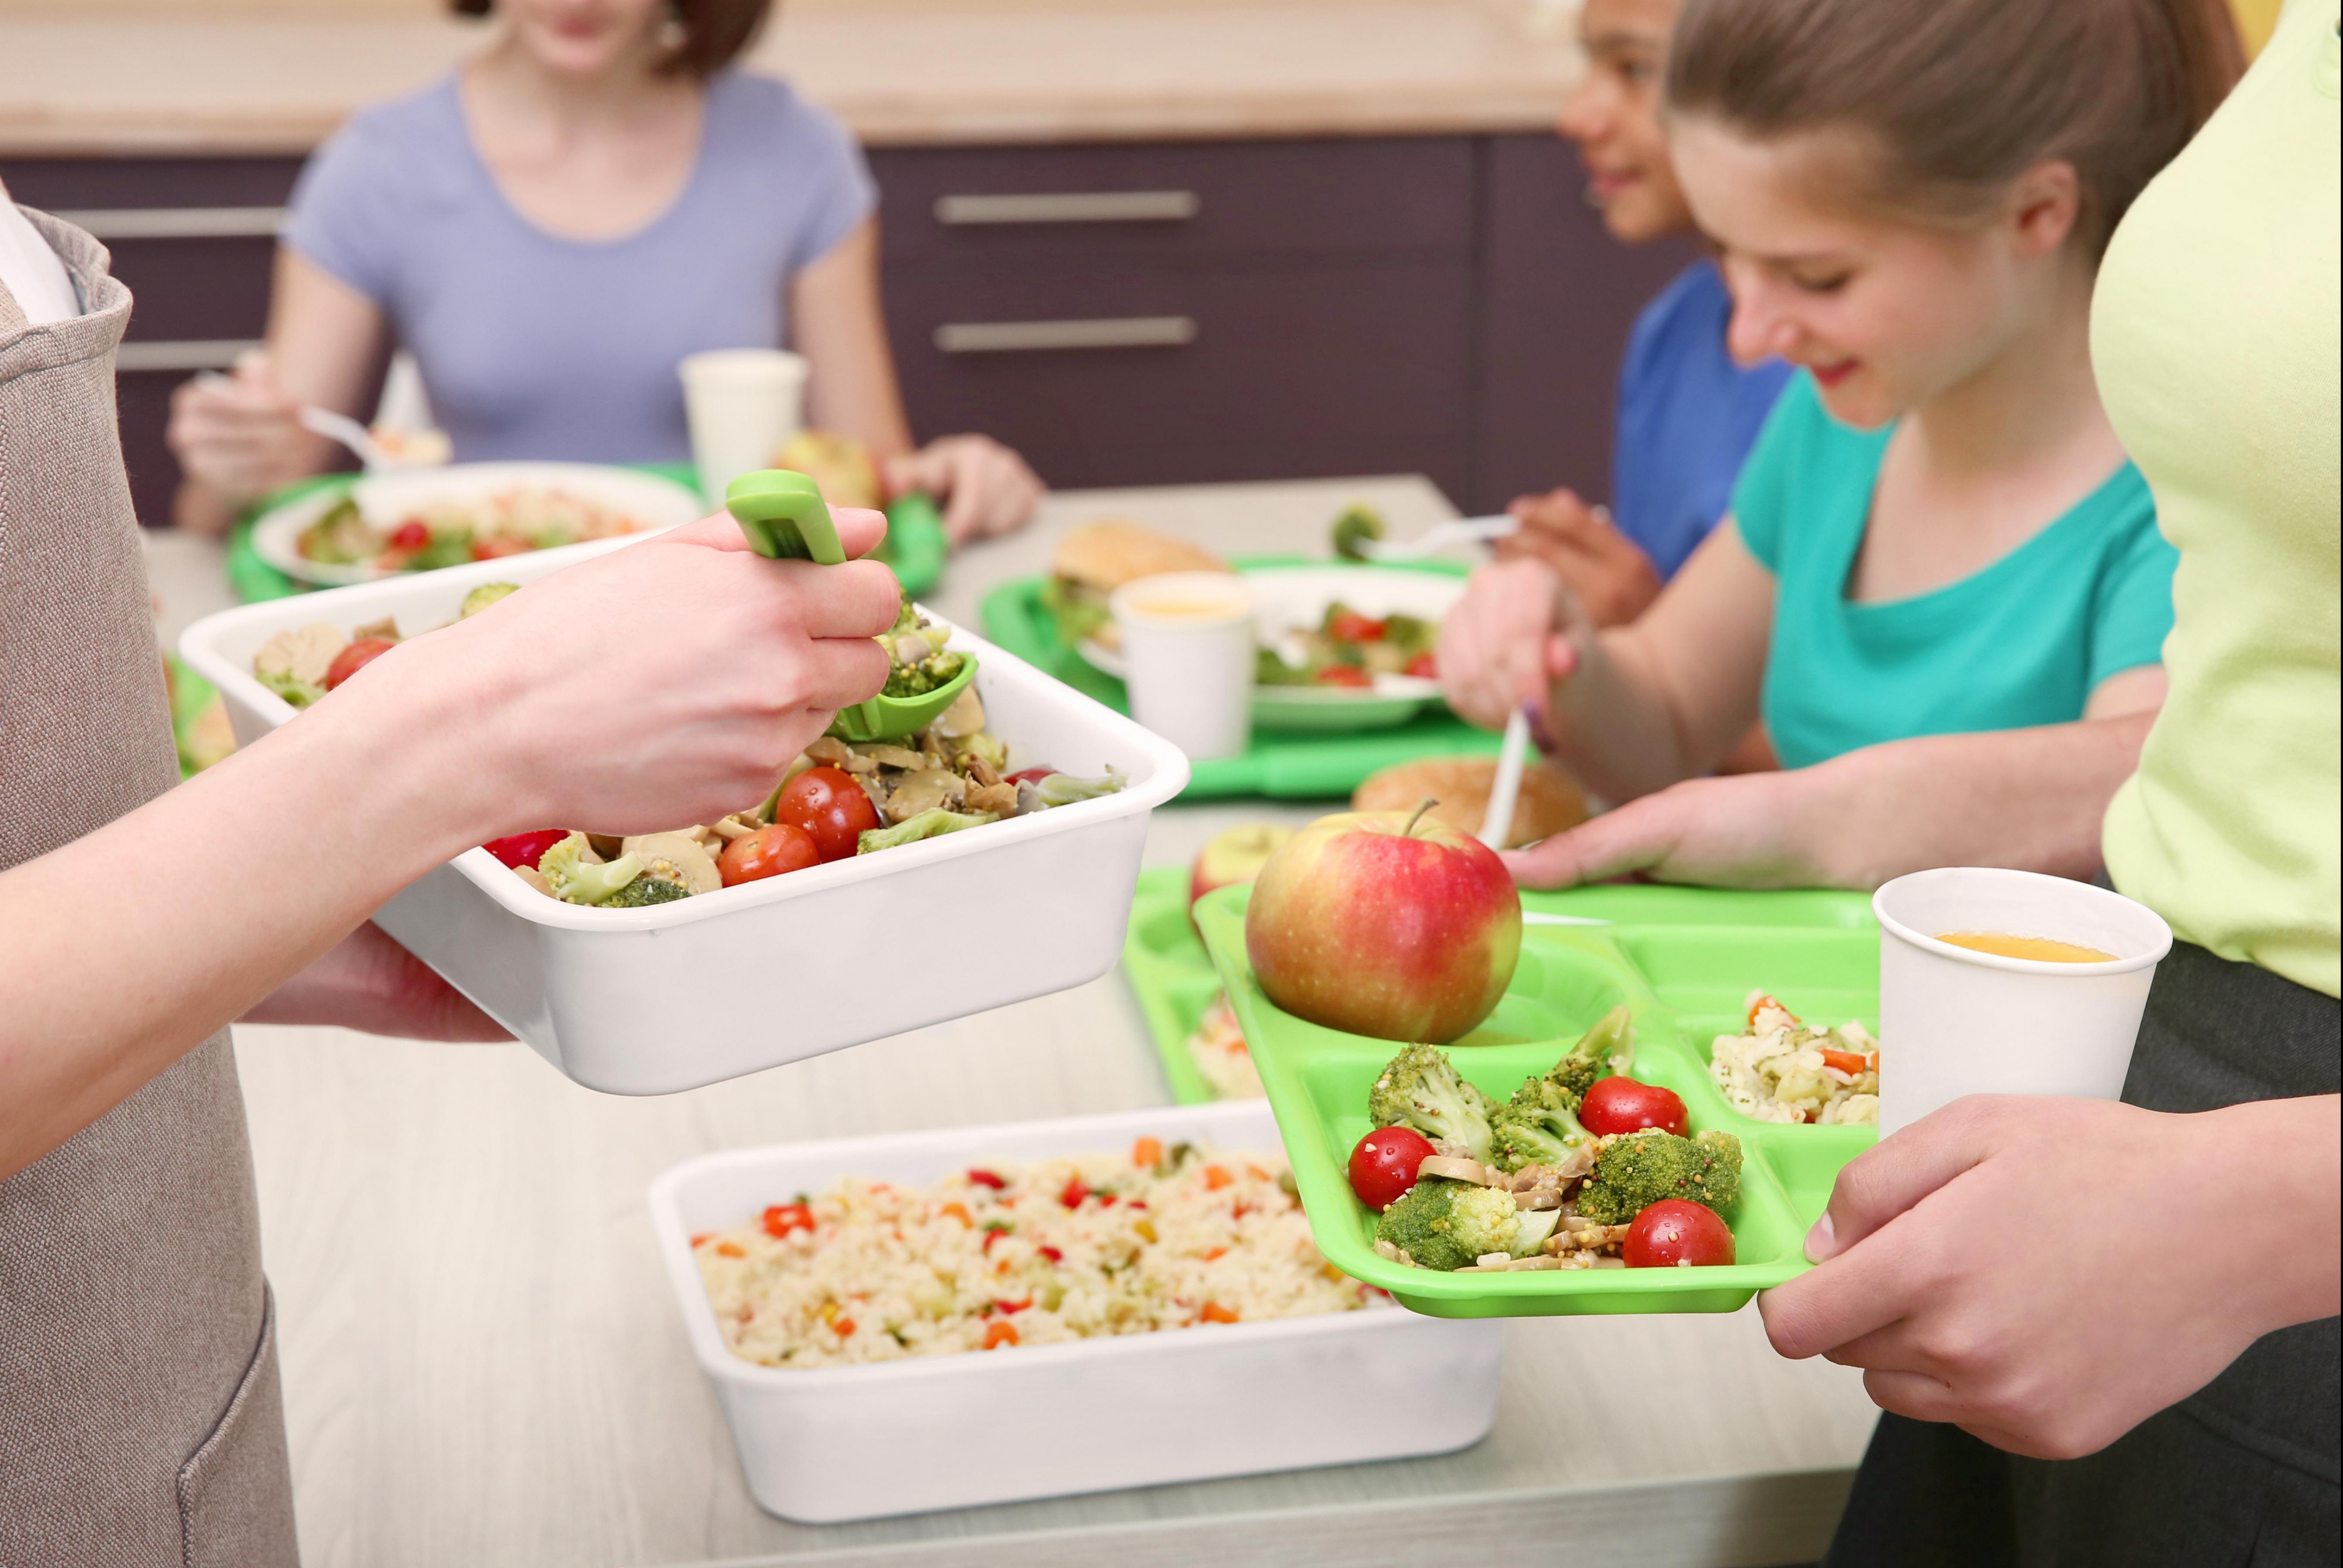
(987, 490)
(2011, 1263)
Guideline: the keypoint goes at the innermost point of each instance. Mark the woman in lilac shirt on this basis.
(549, 230)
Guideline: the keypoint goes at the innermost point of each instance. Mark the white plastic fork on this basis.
(349, 433)
(1439, 537)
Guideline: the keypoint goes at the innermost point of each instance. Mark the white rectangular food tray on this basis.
(674, 996)
(832, 1443)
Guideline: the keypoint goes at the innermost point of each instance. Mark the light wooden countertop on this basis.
(897, 75)
(484, 1366)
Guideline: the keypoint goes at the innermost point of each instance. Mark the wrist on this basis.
(2269, 1174)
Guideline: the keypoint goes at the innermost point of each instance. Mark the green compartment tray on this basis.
(1286, 766)
(1682, 959)
(915, 544)
(1170, 975)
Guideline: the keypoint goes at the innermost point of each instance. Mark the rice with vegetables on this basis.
(1781, 1069)
(1217, 1047)
(1003, 1255)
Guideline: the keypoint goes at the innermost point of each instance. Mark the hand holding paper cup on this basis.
(1188, 648)
(1988, 1012)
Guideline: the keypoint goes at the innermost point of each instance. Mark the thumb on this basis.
(1634, 838)
(1560, 657)
(1895, 1174)
(859, 531)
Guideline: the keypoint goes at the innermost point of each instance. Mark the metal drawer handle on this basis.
(179, 222)
(192, 353)
(1030, 336)
(1068, 206)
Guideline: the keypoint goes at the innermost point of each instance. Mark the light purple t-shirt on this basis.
(536, 347)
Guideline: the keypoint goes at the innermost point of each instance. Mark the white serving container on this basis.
(674, 996)
(833, 1443)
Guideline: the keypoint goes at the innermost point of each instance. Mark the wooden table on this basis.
(483, 1364)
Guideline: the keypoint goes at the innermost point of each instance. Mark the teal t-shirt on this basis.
(2021, 642)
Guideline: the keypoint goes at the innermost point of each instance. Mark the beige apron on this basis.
(140, 1416)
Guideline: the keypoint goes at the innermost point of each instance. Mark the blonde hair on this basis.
(1957, 98)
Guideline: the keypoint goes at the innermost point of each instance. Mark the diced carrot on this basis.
(1257, 1173)
(1147, 1151)
(731, 1250)
(1214, 1312)
(998, 1334)
(843, 1327)
(958, 1211)
(701, 1240)
(1212, 1252)
(1215, 1178)
(1852, 1062)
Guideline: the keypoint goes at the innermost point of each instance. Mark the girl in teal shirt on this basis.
(1937, 542)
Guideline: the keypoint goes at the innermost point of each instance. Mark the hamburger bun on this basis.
(1549, 801)
(1095, 558)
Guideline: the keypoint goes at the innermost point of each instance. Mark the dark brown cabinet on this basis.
(1124, 315)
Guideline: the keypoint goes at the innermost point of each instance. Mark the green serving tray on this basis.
(1680, 959)
(1170, 976)
(1285, 765)
(915, 543)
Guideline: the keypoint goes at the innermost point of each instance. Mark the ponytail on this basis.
(1958, 97)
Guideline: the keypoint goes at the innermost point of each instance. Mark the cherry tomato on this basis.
(1623, 1105)
(1677, 1232)
(525, 849)
(355, 657)
(1343, 675)
(767, 852)
(1030, 775)
(1424, 667)
(828, 804)
(411, 535)
(1384, 1165)
(496, 546)
(1350, 626)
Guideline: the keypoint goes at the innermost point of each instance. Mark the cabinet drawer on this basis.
(982, 206)
(1279, 371)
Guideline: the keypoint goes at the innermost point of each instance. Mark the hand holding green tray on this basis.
(783, 516)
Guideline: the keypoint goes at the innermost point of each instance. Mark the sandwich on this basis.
(1096, 558)
(1549, 801)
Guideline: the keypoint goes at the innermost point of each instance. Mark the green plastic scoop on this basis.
(784, 518)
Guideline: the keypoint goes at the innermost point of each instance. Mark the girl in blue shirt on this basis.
(1687, 412)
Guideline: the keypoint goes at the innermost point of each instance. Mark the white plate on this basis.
(831, 1444)
(1295, 597)
(627, 1000)
(384, 498)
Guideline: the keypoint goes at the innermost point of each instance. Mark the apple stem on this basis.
(1425, 805)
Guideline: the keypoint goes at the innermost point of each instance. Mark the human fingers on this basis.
(860, 530)
(1633, 838)
(1473, 656)
(1899, 1170)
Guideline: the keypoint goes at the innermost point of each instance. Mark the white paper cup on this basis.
(1956, 1022)
(741, 405)
(1188, 650)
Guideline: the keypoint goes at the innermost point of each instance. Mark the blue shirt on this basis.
(2024, 641)
(1687, 418)
(532, 345)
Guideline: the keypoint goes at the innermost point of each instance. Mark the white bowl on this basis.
(276, 536)
(625, 1001)
(834, 1444)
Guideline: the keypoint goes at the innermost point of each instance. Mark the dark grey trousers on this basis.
(2244, 1472)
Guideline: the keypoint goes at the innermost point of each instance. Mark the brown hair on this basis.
(714, 32)
(1959, 97)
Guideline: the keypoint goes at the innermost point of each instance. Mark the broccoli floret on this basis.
(1065, 789)
(936, 671)
(1637, 1170)
(1600, 1052)
(1421, 1088)
(300, 693)
(1445, 1224)
(1538, 1125)
(577, 880)
(1353, 529)
(928, 824)
(644, 890)
(482, 596)
(1269, 669)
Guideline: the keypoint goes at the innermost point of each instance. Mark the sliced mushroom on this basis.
(964, 718)
(874, 787)
(911, 647)
(924, 791)
(860, 767)
(978, 770)
(731, 828)
(603, 847)
(386, 628)
(829, 749)
(997, 798)
(304, 655)
(536, 878)
(888, 756)
(1029, 798)
(1463, 1170)
(678, 857)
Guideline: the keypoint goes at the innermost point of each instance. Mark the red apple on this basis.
(1385, 923)
(1235, 856)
